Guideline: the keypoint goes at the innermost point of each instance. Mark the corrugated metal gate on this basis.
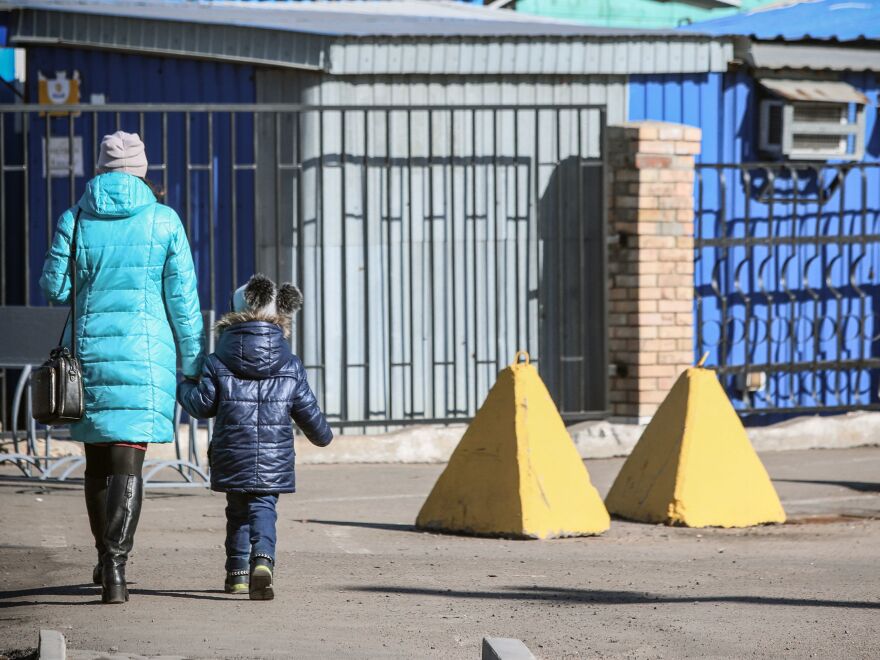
(431, 242)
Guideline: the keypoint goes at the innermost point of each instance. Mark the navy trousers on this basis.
(250, 529)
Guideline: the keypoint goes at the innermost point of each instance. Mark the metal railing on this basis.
(29, 332)
(431, 242)
(787, 256)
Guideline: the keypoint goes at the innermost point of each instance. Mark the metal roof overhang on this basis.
(823, 91)
(799, 55)
(599, 53)
(169, 37)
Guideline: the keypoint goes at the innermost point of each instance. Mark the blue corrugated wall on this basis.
(716, 103)
(123, 78)
(785, 289)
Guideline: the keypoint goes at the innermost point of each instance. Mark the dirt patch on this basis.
(20, 654)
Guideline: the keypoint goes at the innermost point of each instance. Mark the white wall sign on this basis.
(59, 156)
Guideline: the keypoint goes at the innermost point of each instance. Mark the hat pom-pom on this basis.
(259, 292)
(290, 299)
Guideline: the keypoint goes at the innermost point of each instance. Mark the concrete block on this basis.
(855, 429)
(505, 648)
(694, 464)
(515, 472)
(52, 645)
(415, 444)
(605, 438)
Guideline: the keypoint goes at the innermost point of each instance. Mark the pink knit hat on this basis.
(123, 152)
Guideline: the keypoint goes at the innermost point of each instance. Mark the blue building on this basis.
(786, 203)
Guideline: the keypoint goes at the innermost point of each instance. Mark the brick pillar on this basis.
(651, 265)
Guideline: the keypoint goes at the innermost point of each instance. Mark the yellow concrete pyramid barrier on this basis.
(694, 464)
(516, 471)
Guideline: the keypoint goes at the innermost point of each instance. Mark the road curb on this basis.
(595, 439)
(505, 648)
(52, 645)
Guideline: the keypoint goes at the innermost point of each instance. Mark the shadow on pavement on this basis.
(859, 486)
(93, 591)
(598, 596)
(82, 590)
(184, 593)
(392, 527)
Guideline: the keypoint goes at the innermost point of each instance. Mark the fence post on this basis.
(650, 262)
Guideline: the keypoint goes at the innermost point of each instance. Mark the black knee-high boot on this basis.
(96, 504)
(125, 493)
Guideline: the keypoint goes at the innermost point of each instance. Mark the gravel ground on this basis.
(354, 580)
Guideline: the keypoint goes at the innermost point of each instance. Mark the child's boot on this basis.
(261, 579)
(236, 582)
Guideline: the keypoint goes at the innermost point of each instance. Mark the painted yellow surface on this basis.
(516, 471)
(694, 464)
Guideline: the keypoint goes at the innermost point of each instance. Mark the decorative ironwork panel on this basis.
(786, 262)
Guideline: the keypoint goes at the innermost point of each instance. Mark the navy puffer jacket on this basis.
(253, 384)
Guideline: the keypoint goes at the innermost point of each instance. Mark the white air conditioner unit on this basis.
(812, 120)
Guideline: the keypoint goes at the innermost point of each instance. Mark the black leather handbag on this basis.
(57, 386)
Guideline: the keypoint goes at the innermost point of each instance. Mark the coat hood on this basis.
(253, 349)
(116, 195)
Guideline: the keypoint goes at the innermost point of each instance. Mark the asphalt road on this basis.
(354, 580)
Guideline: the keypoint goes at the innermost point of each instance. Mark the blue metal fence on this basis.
(193, 157)
(787, 254)
(786, 268)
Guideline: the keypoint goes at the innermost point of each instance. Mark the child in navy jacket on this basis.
(254, 385)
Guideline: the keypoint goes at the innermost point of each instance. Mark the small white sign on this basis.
(59, 156)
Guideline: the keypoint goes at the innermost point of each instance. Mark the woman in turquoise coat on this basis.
(137, 308)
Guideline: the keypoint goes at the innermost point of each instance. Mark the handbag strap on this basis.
(72, 259)
(73, 282)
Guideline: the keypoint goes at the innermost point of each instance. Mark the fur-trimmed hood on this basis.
(233, 318)
(254, 348)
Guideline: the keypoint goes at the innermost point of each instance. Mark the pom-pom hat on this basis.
(261, 296)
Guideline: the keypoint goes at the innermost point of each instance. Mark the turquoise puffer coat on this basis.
(136, 295)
